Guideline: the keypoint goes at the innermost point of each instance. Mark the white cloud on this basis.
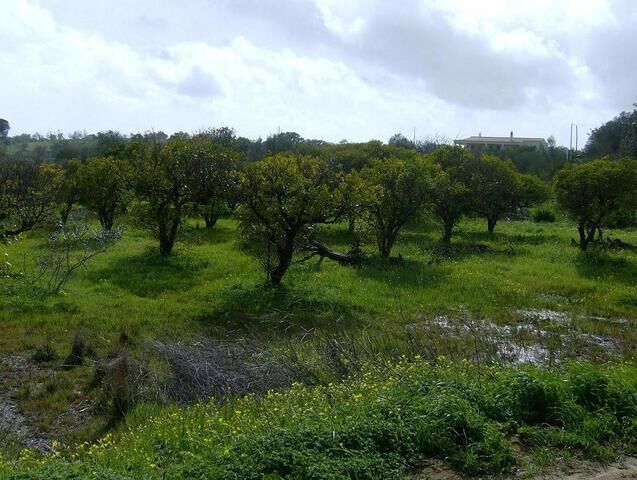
(325, 68)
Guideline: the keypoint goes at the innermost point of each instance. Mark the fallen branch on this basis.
(318, 248)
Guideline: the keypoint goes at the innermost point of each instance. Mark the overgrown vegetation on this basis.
(478, 346)
(378, 425)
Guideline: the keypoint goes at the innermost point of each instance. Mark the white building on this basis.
(500, 143)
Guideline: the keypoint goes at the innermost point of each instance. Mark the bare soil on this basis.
(14, 426)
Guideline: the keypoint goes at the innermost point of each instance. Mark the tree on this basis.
(617, 137)
(105, 187)
(495, 184)
(395, 191)
(27, 195)
(4, 128)
(109, 144)
(399, 140)
(453, 195)
(532, 190)
(498, 189)
(283, 142)
(224, 136)
(590, 192)
(69, 191)
(282, 198)
(164, 173)
(215, 178)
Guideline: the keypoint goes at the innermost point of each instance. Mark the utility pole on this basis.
(570, 145)
(576, 137)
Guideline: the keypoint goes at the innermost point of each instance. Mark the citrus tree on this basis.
(281, 199)
(395, 190)
(454, 194)
(104, 185)
(589, 193)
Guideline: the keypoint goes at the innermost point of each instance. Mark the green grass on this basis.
(377, 425)
(213, 287)
(211, 284)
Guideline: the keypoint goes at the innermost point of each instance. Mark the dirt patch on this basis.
(14, 426)
(626, 469)
(623, 470)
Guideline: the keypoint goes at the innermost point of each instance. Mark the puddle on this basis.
(543, 315)
(523, 343)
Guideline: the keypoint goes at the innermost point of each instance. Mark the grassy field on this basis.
(523, 294)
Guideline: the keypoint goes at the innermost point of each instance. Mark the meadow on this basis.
(519, 307)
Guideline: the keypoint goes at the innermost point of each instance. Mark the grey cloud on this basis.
(457, 68)
(611, 54)
(424, 48)
(199, 85)
(297, 24)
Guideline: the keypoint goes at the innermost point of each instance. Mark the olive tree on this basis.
(282, 198)
(104, 185)
(395, 191)
(590, 192)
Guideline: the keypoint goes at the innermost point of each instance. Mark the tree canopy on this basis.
(396, 190)
(589, 193)
(282, 198)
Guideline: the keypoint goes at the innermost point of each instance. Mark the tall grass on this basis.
(377, 425)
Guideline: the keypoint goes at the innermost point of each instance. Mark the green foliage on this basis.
(282, 198)
(543, 214)
(28, 192)
(104, 185)
(69, 191)
(616, 138)
(215, 176)
(496, 188)
(164, 179)
(377, 425)
(589, 193)
(454, 195)
(394, 192)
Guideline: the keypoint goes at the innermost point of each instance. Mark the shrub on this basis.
(44, 353)
(543, 214)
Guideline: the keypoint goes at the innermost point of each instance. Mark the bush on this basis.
(543, 214)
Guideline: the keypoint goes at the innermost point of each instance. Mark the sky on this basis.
(328, 69)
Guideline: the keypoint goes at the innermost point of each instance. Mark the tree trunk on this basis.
(284, 259)
(351, 224)
(106, 220)
(385, 245)
(447, 230)
(586, 237)
(66, 212)
(583, 243)
(491, 222)
(210, 216)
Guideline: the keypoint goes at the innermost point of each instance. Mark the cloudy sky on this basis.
(331, 69)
